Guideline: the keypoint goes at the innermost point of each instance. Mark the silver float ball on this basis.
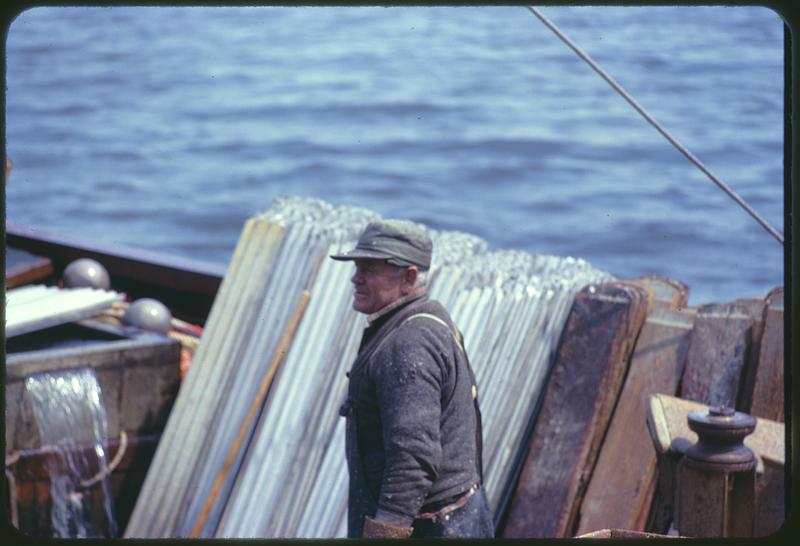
(86, 272)
(148, 314)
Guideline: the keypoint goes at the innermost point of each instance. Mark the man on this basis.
(413, 424)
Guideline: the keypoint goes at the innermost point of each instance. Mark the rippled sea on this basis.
(166, 128)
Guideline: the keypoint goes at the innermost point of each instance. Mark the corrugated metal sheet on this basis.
(248, 315)
(291, 480)
(36, 307)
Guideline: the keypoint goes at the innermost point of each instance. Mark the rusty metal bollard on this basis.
(716, 477)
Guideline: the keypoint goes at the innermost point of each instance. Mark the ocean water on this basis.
(166, 128)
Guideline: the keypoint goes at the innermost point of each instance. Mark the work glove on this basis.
(377, 529)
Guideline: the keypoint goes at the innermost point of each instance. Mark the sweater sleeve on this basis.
(409, 379)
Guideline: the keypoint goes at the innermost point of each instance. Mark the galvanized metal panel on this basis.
(36, 307)
(199, 394)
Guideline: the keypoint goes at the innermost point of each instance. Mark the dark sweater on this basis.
(412, 420)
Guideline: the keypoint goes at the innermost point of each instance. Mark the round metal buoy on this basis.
(86, 272)
(148, 314)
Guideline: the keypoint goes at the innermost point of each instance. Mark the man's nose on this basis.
(357, 278)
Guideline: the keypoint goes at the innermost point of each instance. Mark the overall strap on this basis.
(454, 331)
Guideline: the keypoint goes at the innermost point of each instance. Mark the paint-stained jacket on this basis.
(413, 425)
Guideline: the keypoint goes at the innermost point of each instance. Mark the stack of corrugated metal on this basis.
(290, 480)
(36, 307)
(270, 267)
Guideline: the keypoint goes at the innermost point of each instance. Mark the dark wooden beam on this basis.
(717, 354)
(588, 371)
(620, 491)
(767, 398)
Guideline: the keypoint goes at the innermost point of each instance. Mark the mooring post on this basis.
(716, 476)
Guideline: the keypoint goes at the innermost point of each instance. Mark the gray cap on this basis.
(399, 242)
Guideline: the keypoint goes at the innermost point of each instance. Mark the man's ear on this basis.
(410, 278)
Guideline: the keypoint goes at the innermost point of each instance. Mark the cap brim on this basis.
(358, 254)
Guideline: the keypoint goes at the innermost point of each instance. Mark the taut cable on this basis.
(689, 155)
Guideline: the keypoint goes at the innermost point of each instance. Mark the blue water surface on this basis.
(166, 128)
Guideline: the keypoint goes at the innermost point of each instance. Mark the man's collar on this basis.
(417, 293)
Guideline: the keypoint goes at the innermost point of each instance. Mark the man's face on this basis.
(376, 284)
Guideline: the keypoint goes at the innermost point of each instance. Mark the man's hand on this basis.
(377, 529)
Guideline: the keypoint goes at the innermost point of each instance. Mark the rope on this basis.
(123, 444)
(12, 458)
(618, 88)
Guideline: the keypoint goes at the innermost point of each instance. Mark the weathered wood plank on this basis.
(649, 499)
(139, 380)
(770, 499)
(622, 482)
(767, 397)
(662, 506)
(623, 534)
(755, 308)
(717, 353)
(590, 363)
(23, 267)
